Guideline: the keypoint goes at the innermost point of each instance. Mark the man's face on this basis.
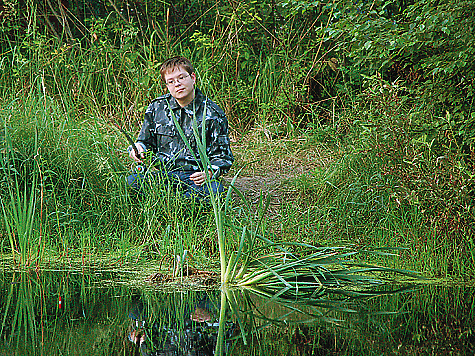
(180, 84)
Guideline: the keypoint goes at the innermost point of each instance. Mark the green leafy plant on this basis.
(19, 215)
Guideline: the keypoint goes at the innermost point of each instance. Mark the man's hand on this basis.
(140, 151)
(200, 315)
(199, 177)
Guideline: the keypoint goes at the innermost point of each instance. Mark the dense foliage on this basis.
(388, 82)
(289, 56)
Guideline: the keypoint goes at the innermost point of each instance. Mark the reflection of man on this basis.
(160, 135)
(195, 333)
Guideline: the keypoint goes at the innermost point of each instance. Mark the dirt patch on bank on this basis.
(268, 167)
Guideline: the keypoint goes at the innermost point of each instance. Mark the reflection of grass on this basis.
(94, 317)
(19, 313)
(91, 315)
(427, 320)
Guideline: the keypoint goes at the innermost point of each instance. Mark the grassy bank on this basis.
(366, 177)
(65, 199)
(341, 196)
(64, 193)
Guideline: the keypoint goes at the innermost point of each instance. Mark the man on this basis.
(159, 134)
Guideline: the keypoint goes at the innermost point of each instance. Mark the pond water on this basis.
(114, 313)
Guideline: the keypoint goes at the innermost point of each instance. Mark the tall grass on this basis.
(65, 200)
(60, 101)
(19, 214)
(69, 94)
(383, 188)
(350, 202)
(64, 188)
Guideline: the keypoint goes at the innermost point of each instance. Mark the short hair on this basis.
(174, 62)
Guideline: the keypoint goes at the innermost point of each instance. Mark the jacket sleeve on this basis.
(218, 147)
(146, 135)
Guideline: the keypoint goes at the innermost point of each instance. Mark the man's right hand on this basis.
(141, 153)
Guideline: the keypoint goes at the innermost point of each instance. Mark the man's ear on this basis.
(193, 76)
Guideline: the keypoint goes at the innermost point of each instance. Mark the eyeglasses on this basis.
(180, 80)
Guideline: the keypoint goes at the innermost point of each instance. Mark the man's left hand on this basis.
(199, 177)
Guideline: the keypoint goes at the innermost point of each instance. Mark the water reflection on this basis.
(99, 316)
(177, 326)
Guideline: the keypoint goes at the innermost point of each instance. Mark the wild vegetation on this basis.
(383, 90)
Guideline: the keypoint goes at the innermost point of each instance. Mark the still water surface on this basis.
(113, 313)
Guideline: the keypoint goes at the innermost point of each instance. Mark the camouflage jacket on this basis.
(160, 134)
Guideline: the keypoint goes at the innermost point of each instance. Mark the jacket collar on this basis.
(197, 101)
